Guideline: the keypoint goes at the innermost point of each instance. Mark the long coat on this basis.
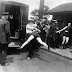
(3, 30)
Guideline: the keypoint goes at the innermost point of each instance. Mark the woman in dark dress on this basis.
(65, 36)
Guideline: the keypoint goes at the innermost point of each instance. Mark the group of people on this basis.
(34, 30)
(39, 30)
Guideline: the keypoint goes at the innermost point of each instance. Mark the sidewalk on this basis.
(67, 53)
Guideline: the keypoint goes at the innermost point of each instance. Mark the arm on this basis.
(36, 29)
(61, 29)
(8, 28)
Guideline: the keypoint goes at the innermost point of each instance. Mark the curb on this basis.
(59, 56)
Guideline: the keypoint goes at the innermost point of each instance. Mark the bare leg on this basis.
(63, 42)
(27, 41)
(67, 39)
(64, 38)
(41, 42)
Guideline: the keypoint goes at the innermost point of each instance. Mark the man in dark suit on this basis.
(4, 37)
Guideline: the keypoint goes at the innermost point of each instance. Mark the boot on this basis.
(66, 45)
(63, 46)
(49, 48)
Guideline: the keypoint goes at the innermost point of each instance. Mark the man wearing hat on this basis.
(33, 33)
(4, 37)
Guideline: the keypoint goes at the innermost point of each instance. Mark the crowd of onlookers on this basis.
(50, 35)
(48, 31)
(41, 32)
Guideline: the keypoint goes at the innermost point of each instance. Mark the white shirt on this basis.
(30, 27)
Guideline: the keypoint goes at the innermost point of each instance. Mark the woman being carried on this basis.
(33, 32)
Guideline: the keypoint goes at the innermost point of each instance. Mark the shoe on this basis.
(28, 58)
(64, 47)
(4, 64)
(45, 47)
(49, 48)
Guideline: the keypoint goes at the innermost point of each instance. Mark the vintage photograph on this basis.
(35, 35)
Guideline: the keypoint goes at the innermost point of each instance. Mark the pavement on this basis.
(67, 53)
(43, 61)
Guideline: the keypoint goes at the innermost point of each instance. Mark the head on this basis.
(5, 15)
(69, 24)
(30, 22)
(44, 19)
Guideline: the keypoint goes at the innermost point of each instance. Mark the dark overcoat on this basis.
(4, 28)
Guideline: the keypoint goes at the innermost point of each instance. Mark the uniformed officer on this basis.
(4, 37)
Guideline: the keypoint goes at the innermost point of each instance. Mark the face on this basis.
(44, 19)
(6, 16)
(31, 22)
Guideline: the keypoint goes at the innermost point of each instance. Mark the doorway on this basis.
(14, 12)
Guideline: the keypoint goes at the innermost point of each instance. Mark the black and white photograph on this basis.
(35, 35)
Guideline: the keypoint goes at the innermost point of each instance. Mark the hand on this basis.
(57, 31)
(20, 48)
(37, 30)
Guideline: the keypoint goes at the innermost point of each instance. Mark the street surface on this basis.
(42, 61)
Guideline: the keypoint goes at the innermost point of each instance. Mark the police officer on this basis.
(4, 37)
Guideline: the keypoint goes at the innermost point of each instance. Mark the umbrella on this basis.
(63, 8)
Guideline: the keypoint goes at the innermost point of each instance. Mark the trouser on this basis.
(32, 47)
(3, 52)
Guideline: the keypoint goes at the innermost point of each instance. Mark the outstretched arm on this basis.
(61, 29)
